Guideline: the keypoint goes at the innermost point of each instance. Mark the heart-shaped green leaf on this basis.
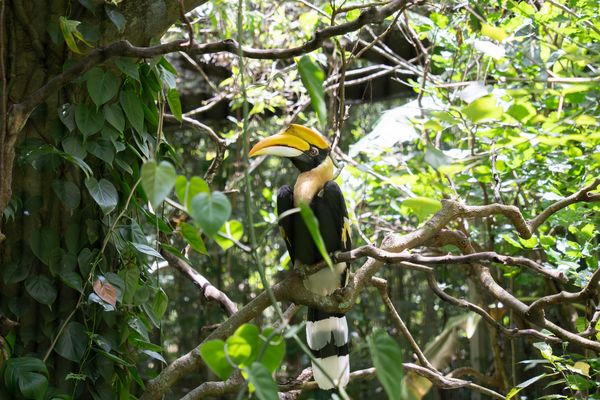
(213, 354)
(88, 121)
(102, 85)
(73, 342)
(387, 359)
(133, 108)
(210, 211)
(104, 193)
(264, 384)
(157, 181)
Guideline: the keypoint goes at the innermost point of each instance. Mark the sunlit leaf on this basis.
(231, 229)
(313, 77)
(423, 207)
(213, 354)
(489, 49)
(187, 190)
(483, 109)
(493, 32)
(313, 228)
(157, 181)
(210, 211)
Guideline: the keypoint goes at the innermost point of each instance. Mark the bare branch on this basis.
(443, 382)
(582, 195)
(209, 292)
(382, 287)
(20, 112)
(292, 289)
(233, 384)
(216, 389)
(389, 257)
(187, 22)
(433, 284)
(591, 329)
(588, 291)
(212, 135)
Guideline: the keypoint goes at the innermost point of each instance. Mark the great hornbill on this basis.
(326, 332)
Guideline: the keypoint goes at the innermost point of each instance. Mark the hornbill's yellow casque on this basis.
(326, 333)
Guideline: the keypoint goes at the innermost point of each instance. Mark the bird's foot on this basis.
(341, 294)
(300, 270)
(334, 256)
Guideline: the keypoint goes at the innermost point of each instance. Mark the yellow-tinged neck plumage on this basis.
(310, 182)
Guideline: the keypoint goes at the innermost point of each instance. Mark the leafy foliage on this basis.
(502, 107)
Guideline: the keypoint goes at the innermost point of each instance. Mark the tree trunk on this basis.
(33, 52)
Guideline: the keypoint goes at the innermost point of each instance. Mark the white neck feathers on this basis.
(310, 182)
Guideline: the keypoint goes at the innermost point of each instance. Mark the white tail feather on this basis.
(334, 368)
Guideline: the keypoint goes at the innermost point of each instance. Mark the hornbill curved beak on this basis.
(295, 141)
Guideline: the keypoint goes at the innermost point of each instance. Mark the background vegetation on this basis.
(137, 241)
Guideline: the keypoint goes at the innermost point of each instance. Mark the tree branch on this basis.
(219, 142)
(582, 195)
(382, 287)
(389, 257)
(20, 112)
(209, 292)
(588, 291)
(292, 289)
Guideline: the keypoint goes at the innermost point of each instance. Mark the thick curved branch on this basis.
(231, 385)
(588, 291)
(582, 195)
(209, 292)
(20, 112)
(292, 289)
(216, 389)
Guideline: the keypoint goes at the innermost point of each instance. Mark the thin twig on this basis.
(382, 287)
(219, 142)
(187, 22)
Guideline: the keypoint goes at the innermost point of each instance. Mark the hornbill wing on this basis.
(327, 333)
(330, 209)
(285, 202)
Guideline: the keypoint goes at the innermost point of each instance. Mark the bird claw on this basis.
(333, 255)
(341, 294)
(300, 270)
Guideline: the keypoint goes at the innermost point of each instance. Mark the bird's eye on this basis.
(313, 151)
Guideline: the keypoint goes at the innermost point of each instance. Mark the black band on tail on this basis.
(330, 349)
(317, 315)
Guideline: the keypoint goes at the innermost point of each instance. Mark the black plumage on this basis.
(330, 210)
